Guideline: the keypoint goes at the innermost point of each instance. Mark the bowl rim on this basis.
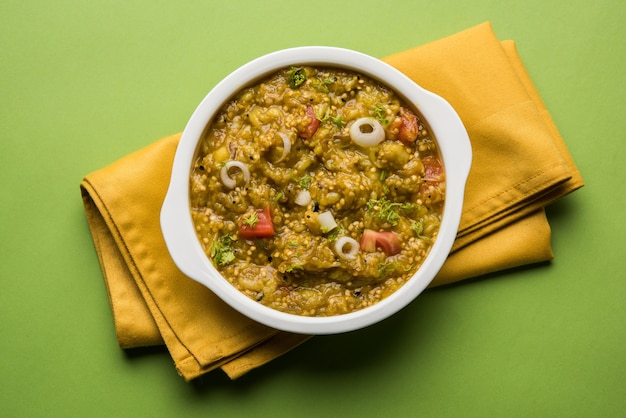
(177, 225)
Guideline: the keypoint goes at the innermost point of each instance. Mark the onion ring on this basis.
(286, 146)
(342, 243)
(367, 132)
(229, 181)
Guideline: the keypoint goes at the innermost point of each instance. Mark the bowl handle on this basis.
(178, 232)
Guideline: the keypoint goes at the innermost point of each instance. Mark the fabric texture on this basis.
(520, 164)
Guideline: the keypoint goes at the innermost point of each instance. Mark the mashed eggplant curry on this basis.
(317, 191)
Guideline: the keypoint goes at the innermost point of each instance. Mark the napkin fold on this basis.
(520, 164)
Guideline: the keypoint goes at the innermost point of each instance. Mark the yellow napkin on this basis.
(520, 165)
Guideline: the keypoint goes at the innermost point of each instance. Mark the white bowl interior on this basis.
(176, 221)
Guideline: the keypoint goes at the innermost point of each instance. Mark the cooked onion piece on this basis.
(367, 132)
(346, 247)
(303, 198)
(229, 181)
(286, 146)
(327, 221)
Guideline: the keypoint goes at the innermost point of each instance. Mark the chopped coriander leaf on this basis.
(380, 112)
(327, 117)
(418, 228)
(338, 122)
(387, 211)
(294, 267)
(222, 251)
(251, 220)
(305, 182)
(382, 178)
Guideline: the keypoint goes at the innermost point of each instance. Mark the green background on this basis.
(83, 83)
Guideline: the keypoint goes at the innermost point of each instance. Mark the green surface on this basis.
(84, 83)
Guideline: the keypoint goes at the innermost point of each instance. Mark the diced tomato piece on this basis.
(389, 242)
(262, 229)
(368, 241)
(433, 176)
(311, 128)
(433, 170)
(386, 240)
(409, 126)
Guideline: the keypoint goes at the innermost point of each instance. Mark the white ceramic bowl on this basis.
(177, 225)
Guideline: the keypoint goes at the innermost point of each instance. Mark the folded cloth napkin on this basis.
(520, 164)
